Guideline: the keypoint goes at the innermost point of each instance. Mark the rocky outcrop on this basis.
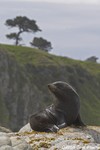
(69, 138)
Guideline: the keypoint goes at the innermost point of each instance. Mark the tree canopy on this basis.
(23, 24)
(92, 59)
(42, 44)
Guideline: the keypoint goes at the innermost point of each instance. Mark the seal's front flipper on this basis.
(53, 128)
(63, 125)
(78, 121)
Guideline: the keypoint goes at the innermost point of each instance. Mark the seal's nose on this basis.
(48, 85)
(51, 87)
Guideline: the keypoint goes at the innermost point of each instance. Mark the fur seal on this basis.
(64, 112)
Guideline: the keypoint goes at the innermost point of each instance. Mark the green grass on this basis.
(38, 57)
(35, 56)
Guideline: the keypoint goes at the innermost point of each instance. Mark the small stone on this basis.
(16, 141)
(6, 147)
(19, 143)
(26, 128)
(3, 129)
(4, 139)
(22, 146)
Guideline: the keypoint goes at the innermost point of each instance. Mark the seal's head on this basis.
(62, 90)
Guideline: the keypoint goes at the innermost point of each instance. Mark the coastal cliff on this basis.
(24, 76)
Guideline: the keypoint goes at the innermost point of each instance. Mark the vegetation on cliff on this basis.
(24, 75)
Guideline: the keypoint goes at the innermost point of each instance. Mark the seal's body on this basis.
(64, 112)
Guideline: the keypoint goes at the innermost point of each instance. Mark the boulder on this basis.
(69, 138)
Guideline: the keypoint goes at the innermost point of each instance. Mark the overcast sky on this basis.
(61, 1)
(72, 26)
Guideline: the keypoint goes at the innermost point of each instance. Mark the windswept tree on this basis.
(23, 24)
(92, 59)
(42, 44)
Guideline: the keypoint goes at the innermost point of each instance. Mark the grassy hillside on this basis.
(40, 68)
(36, 57)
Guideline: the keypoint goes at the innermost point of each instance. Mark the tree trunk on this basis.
(18, 38)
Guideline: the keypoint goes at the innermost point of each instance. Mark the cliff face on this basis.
(17, 93)
(24, 75)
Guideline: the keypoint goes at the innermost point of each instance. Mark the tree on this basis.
(92, 59)
(42, 44)
(23, 24)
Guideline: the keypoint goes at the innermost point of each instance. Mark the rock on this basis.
(13, 141)
(4, 139)
(69, 138)
(6, 147)
(19, 143)
(66, 139)
(16, 141)
(95, 132)
(3, 129)
(26, 128)
(22, 147)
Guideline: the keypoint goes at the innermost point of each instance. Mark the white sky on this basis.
(62, 1)
(69, 1)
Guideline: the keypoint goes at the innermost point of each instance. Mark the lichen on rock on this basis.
(68, 138)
